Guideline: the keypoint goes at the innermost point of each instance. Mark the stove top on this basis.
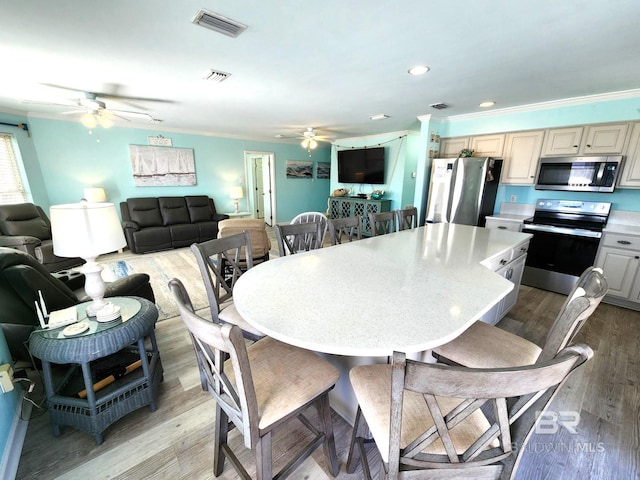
(571, 214)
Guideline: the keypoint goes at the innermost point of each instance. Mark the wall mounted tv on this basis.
(361, 165)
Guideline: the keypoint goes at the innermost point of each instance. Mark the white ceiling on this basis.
(329, 64)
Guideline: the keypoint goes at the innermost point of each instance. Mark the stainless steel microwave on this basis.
(578, 174)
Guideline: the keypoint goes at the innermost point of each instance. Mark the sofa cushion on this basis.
(199, 208)
(23, 219)
(173, 210)
(152, 239)
(184, 235)
(145, 211)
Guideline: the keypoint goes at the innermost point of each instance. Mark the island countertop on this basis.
(407, 291)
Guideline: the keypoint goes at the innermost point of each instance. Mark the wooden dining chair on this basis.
(258, 389)
(319, 217)
(440, 421)
(347, 228)
(407, 218)
(298, 237)
(382, 223)
(222, 261)
(487, 346)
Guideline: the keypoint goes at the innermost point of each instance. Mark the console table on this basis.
(340, 207)
(103, 347)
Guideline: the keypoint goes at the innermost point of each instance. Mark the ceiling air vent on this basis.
(216, 76)
(439, 106)
(217, 22)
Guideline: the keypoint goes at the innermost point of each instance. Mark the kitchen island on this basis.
(359, 302)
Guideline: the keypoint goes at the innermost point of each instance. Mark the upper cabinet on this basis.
(521, 154)
(630, 177)
(450, 147)
(487, 145)
(591, 140)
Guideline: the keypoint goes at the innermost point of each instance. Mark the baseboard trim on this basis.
(15, 441)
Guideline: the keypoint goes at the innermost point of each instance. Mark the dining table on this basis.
(358, 302)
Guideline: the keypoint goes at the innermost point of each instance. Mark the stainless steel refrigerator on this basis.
(463, 190)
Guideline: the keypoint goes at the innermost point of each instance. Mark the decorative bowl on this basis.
(376, 196)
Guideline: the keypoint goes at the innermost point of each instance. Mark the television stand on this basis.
(340, 207)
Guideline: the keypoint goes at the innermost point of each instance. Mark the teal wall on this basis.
(61, 158)
(569, 115)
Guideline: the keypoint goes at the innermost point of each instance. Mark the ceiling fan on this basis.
(309, 138)
(94, 110)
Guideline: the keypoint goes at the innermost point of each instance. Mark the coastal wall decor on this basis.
(323, 170)
(162, 166)
(297, 169)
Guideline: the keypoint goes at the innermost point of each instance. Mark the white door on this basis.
(260, 168)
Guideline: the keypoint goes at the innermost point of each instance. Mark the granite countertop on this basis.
(408, 291)
(621, 221)
(510, 217)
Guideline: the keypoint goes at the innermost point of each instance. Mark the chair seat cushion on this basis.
(285, 378)
(372, 387)
(230, 314)
(485, 346)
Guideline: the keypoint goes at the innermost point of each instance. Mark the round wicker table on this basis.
(111, 368)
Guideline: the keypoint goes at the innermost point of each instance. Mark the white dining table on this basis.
(408, 291)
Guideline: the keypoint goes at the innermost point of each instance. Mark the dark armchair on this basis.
(25, 226)
(21, 276)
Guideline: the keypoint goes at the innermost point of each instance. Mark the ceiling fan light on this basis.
(305, 143)
(105, 120)
(89, 120)
(312, 143)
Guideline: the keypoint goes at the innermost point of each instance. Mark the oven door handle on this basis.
(561, 231)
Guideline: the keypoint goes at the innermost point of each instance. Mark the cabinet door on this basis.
(605, 139)
(501, 224)
(512, 272)
(631, 171)
(488, 145)
(450, 147)
(521, 155)
(620, 267)
(562, 141)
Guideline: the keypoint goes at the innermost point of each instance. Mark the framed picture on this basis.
(162, 166)
(297, 169)
(323, 170)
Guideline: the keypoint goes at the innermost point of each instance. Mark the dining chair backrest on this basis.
(222, 261)
(319, 217)
(298, 237)
(454, 422)
(257, 230)
(382, 223)
(580, 304)
(407, 218)
(345, 229)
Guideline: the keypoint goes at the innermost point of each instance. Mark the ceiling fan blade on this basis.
(71, 112)
(138, 115)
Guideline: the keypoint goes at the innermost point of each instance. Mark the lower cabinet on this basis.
(340, 207)
(619, 258)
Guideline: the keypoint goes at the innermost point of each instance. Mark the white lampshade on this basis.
(236, 192)
(85, 229)
(94, 195)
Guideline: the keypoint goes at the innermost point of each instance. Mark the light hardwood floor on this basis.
(176, 440)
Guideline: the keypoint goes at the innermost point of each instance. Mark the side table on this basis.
(103, 347)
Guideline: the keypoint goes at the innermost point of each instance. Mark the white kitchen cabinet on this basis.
(503, 224)
(511, 266)
(488, 145)
(562, 141)
(630, 177)
(450, 147)
(520, 156)
(619, 258)
(604, 139)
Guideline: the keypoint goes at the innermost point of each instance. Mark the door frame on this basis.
(270, 157)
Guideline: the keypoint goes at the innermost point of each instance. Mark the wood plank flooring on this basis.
(175, 441)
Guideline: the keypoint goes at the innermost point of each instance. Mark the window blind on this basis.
(11, 187)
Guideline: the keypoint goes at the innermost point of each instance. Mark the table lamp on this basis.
(94, 194)
(87, 230)
(236, 193)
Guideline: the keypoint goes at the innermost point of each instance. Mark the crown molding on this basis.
(375, 135)
(566, 102)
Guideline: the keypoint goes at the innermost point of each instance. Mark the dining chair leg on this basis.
(329, 446)
(263, 458)
(221, 433)
(352, 460)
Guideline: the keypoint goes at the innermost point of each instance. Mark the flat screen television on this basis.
(361, 165)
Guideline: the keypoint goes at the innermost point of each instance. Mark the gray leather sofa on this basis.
(25, 226)
(161, 223)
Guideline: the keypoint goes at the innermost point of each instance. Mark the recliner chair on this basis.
(25, 226)
(21, 276)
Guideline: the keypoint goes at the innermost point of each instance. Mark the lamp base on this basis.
(235, 205)
(94, 286)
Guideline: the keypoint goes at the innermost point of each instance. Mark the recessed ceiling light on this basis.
(419, 70)
(487, 104)
(380, 116)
